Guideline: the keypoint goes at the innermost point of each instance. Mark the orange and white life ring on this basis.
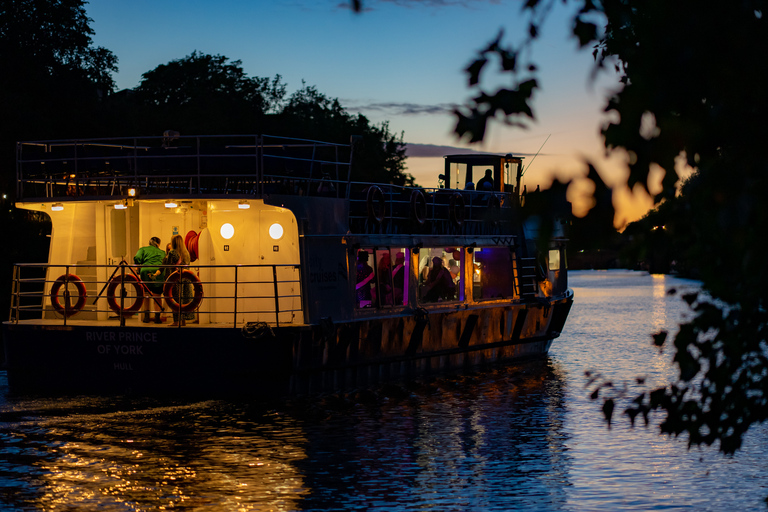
(64, 280)
(418, 207)
(196, 285)
(457, 209)
(375, 203)
(113, 301)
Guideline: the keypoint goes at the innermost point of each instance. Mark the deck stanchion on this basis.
(277, 299)
(235, 308)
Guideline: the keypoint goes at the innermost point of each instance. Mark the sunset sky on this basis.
(400, 61)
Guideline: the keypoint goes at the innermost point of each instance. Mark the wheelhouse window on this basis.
(440, 274)
(492, 274)
(554, 259)
(381, 277)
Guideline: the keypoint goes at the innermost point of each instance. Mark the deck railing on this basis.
(215, 295)
(174, 165)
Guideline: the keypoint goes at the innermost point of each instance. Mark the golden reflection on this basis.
(163, 465)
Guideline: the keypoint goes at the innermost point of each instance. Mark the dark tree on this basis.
(379, 154)
(52, 78)
(205, 94)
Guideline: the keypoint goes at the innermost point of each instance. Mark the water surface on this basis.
(518, 437)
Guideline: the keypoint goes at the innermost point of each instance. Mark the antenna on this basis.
(534, 156)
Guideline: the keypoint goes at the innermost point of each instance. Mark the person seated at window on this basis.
(453, 267)
(385, 281)
(364, 277)
(439, 285)
(398, 278)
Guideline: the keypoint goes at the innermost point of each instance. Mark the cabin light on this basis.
(57, 207)
(276, 231)
(132, 192)
(243, 205)
(121, 206)
(171, 204)
(227, 231)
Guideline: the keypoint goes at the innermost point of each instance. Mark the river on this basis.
(517, 437)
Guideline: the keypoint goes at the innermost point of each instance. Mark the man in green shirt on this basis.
(150, 257)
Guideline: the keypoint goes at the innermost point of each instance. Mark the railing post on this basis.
(277, 299)
(235, 296)
(122, 296)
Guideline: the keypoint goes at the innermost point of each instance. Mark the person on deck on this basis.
(364, 277)
(150, 257)
(183, 291)
(486, 182)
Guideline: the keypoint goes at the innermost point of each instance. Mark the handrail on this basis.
(263, 293)
(81, 167)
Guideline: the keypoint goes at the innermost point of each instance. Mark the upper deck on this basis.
(279, 170)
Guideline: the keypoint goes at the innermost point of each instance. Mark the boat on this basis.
(298, 279)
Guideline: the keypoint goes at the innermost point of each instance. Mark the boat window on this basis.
(382, 277)
(440, 274)
(365, 284)
(492, 275)
(554, 259)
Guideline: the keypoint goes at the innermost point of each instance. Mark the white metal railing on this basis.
(217, 295)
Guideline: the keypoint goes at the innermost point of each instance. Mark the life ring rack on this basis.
(418, 207)
(375, 203)
(63, 280)
(112, 300)
(457, 209)
(197, 286)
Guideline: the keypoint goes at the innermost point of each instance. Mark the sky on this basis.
(399, 61)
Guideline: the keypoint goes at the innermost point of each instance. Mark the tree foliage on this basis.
(207, 94)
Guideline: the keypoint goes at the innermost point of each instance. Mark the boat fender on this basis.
(196, 285)
(114, 302)
(418, 207)
(457, 209)
(376, 206)
(62, 281)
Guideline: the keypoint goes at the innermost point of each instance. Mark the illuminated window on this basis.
(441, 274)
(554, 259)
(492, 274)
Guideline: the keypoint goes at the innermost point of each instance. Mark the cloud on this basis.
(369, 5)
(432, 150)
(406, 109)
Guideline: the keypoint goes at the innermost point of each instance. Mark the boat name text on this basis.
(146, 337)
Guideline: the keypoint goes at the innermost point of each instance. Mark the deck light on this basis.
(57, 207)
(171, 204)
(227, 231)
(243, 205)
(132, 192)
(276, 231)
(121, 206)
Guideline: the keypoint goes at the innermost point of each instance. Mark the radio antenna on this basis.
(534, 156)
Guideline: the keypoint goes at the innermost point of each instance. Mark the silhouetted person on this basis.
(486, 182)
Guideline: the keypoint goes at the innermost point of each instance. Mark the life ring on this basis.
(114, 301)
(63, 280)
(418, 207)
(168, 291)
(457, 209)
(376, 206)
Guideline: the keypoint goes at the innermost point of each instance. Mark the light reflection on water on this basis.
(522, 437)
